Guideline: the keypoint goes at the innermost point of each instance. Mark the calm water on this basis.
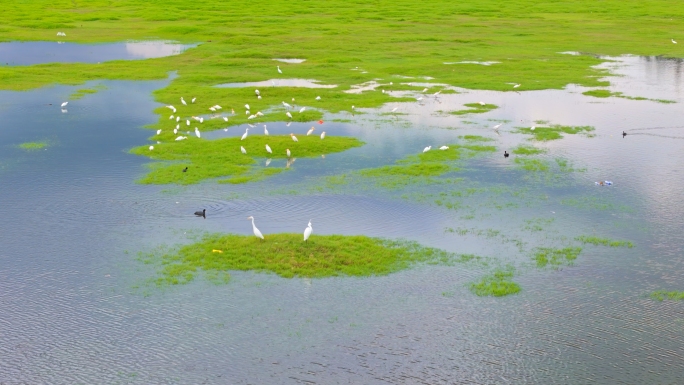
(40, 52)
(76, 309)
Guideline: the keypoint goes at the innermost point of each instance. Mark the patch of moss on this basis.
(288, 256)
(603, 241)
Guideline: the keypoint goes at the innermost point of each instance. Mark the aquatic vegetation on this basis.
(527, 150)
(553, 132)
(545, 256)
(497, 284)
(476, 138)
(603, 241)
(594, 203)
(537, 224)
(288, 256)
(80, 93)
(475, 108)
(33, 146)
(662, 295)
(528, 164)
(606, 94)
(207, 159)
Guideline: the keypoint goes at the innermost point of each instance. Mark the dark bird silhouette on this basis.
(506, 154)
(624, 134)
(202, 213)
(185, 169)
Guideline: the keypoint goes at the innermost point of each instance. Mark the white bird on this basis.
(151, 148)
(183, 101)
(197, 133)
(532, 128)
(353, 107)
(265, 130)
(288, 152)
(308, 231)
(201, 120)
(251, 117)
(383, 91)
(242, 150)
(516, 86)
(259, 97)
(257, 92)
(175, 131)
(159, 131)
(437, 93)
(673, 41)
(178, 118)
(444, 148)
(181, 138)
(310, 131)
(289, 115)
(481, 103)
(225, 119)
(268, 149)
(287, 105)
(193, 99)
(64, 104)
(426, 149)
(302, 110)
(279, 71)
(244, 136)
(171, 117)
(177, 126)
(256, 231)
(187, 122)
(171, 107)
(294, 137)
(394, 109)
(259, 113)
(212, 109)
(218, 107)
(318, 98)
(497, 126)
(61, 34)
(424, 90)
(247, 106)
(247, 112)
(419, 99)
(322, 135)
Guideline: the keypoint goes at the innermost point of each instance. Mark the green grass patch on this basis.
(535, 165)
(497, 284)
(80, 93)
(662, 295)
(606, 94)
(288, 256)
(553, 132)
(475, 108)
(547, 256)
(207, 159)
(527, 150)
(476, 138)
(33, 146)
(603, 241)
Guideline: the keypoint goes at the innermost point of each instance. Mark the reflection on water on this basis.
(40, 52)
(306, 83)
(76, 307)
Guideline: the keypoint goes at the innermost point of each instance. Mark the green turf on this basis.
(287, 255)
(220, 158)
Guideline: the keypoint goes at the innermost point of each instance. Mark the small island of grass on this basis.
(662, 295)
(475, 108)
(288, 256)
(597, 241)
(207, 159)
(33, 146)
(553, 132)
(498, 284)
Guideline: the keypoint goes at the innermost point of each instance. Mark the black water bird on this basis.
(185, 169)
(624, 134)
(202, 213)
(506, 154)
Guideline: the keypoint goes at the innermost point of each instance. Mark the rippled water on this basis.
(40, 52)
(76, 308)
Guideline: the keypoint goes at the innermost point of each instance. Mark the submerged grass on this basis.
(547, 256)
(33, 146)
(497, 284)
(553, 132)
(527, 150)
(603, 241)
(662, 295)
(288, 256)
(80, 93)
(606, 94)
(220, 158)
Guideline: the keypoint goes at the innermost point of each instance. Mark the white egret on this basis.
(268, 149)
(256, 231)
(287, 151)
(232, 111)
(279, 71)
(197, 133)
(322, 135)
(673, 41)
(318, 98)
(497, 126)
(244, 136)
(183, 101)
(532, 128)
(242, 150)
(201, 120)
(187, 122)
(259, 97)
(171, 117)
(287, 105)
(294, 137)
(257, 92)
(292, 100)
(394, 109)
(218, 107)
(391, 83)
(247, 106)
(259, 113)
(310, 131)
(247, 112)
(437, 93)
(289, 115)
(419, 99)
(444, 148)
(251, 117)
(481, 103)
(302, 110)
(64, 104)
(178, 118)
(175, 131)
(353, 108)
(516, 85)
(169, 107)
(151, 148)
(212, 109)
(159, 131)
(426, 149)
(181, 138)
(193, 99)
(424, 90)
(265, 130)
(383, 91)
(177, 126)
(225, 119)
(308, 231)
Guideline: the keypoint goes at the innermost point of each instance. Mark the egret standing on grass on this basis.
(673, 41)
(245, 134)
(310, 131)
(289, 115)
(302, 110)
(294, 137)
(426, 149)
(308, 231)
(256, 231)
(242, 150)
(268, 149)
(183, 101)
(288, 152)
(279, 71)
(322, 135)
(193, 99)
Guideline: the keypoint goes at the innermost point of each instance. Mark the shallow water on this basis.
(305, 83)
(76, 307)
(41, 52)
